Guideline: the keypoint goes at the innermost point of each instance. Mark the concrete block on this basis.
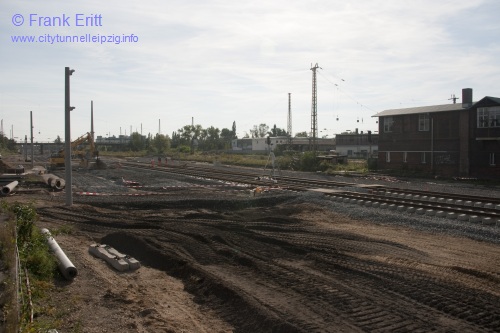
(432, 199)
(478, 204)
(463, 217)
(416, 197)
(133, 263)
(94, 250)
(430, 212)
(401, 208)
(497, 207)
(488, 205)
(468, 203)
(420, 211)
(118, 264)
(392, 207)
(376, 204)
(383, 205)
(475, 219)
(424, 198)
(459, 202)
(451, 216)
(115, 252)
(450, 201)
(346, 200)
(489, 221)
(119, 261)
(353, 201)
(440, 213)
(360, 202)
(441, 200)
(368, 203)
(410, 209)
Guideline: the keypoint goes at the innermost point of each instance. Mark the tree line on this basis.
(195, 137)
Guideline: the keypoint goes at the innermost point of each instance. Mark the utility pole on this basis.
(32, 148)
(289, 122)
(92, 120)
(67, 144)
(314, 111)
(25, 148)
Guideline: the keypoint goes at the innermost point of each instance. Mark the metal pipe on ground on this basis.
(7, 189)
(54, 181)
(66, 267)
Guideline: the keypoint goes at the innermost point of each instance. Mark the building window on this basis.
(488, 117)
(492, 159)
(423, 122)
(388, 156)
(388, 123)
(405, 157)
(422, 158)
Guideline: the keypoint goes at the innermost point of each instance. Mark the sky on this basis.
(218, 61)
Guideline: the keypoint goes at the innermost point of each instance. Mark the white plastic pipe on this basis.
(66, 267)
(9, 187)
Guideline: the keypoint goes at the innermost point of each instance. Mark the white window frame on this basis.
(423, 122)
(388, 124)
(488, 117)
(492, 159)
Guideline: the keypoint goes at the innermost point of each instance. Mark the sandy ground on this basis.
(100, 299)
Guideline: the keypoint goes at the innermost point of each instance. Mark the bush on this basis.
(308, 161)
(34, 256)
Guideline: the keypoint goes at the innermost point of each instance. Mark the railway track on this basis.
(473, 208)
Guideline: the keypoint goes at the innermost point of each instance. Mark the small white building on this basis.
(357, 145)
(261, 145)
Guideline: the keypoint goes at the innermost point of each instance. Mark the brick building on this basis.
(461, 139)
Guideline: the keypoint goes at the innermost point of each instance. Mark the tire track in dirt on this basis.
(281, 274)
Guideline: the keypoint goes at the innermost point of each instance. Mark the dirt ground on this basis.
(267, 264)
(269, 268)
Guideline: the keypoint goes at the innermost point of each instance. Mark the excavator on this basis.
(82, 148)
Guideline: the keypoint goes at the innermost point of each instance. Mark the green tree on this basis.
(161, 144)
(259, 131)
(58, 140)
(9, 144)
(136, 142)
(301, 135)
(212, 138)
(225, 137)
(233, 131)
(277, 131)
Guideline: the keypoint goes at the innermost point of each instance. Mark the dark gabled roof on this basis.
(420, 109)
(486, 98)
(435, 108)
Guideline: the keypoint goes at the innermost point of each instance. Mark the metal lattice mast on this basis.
(314, 112)
(289, 122)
